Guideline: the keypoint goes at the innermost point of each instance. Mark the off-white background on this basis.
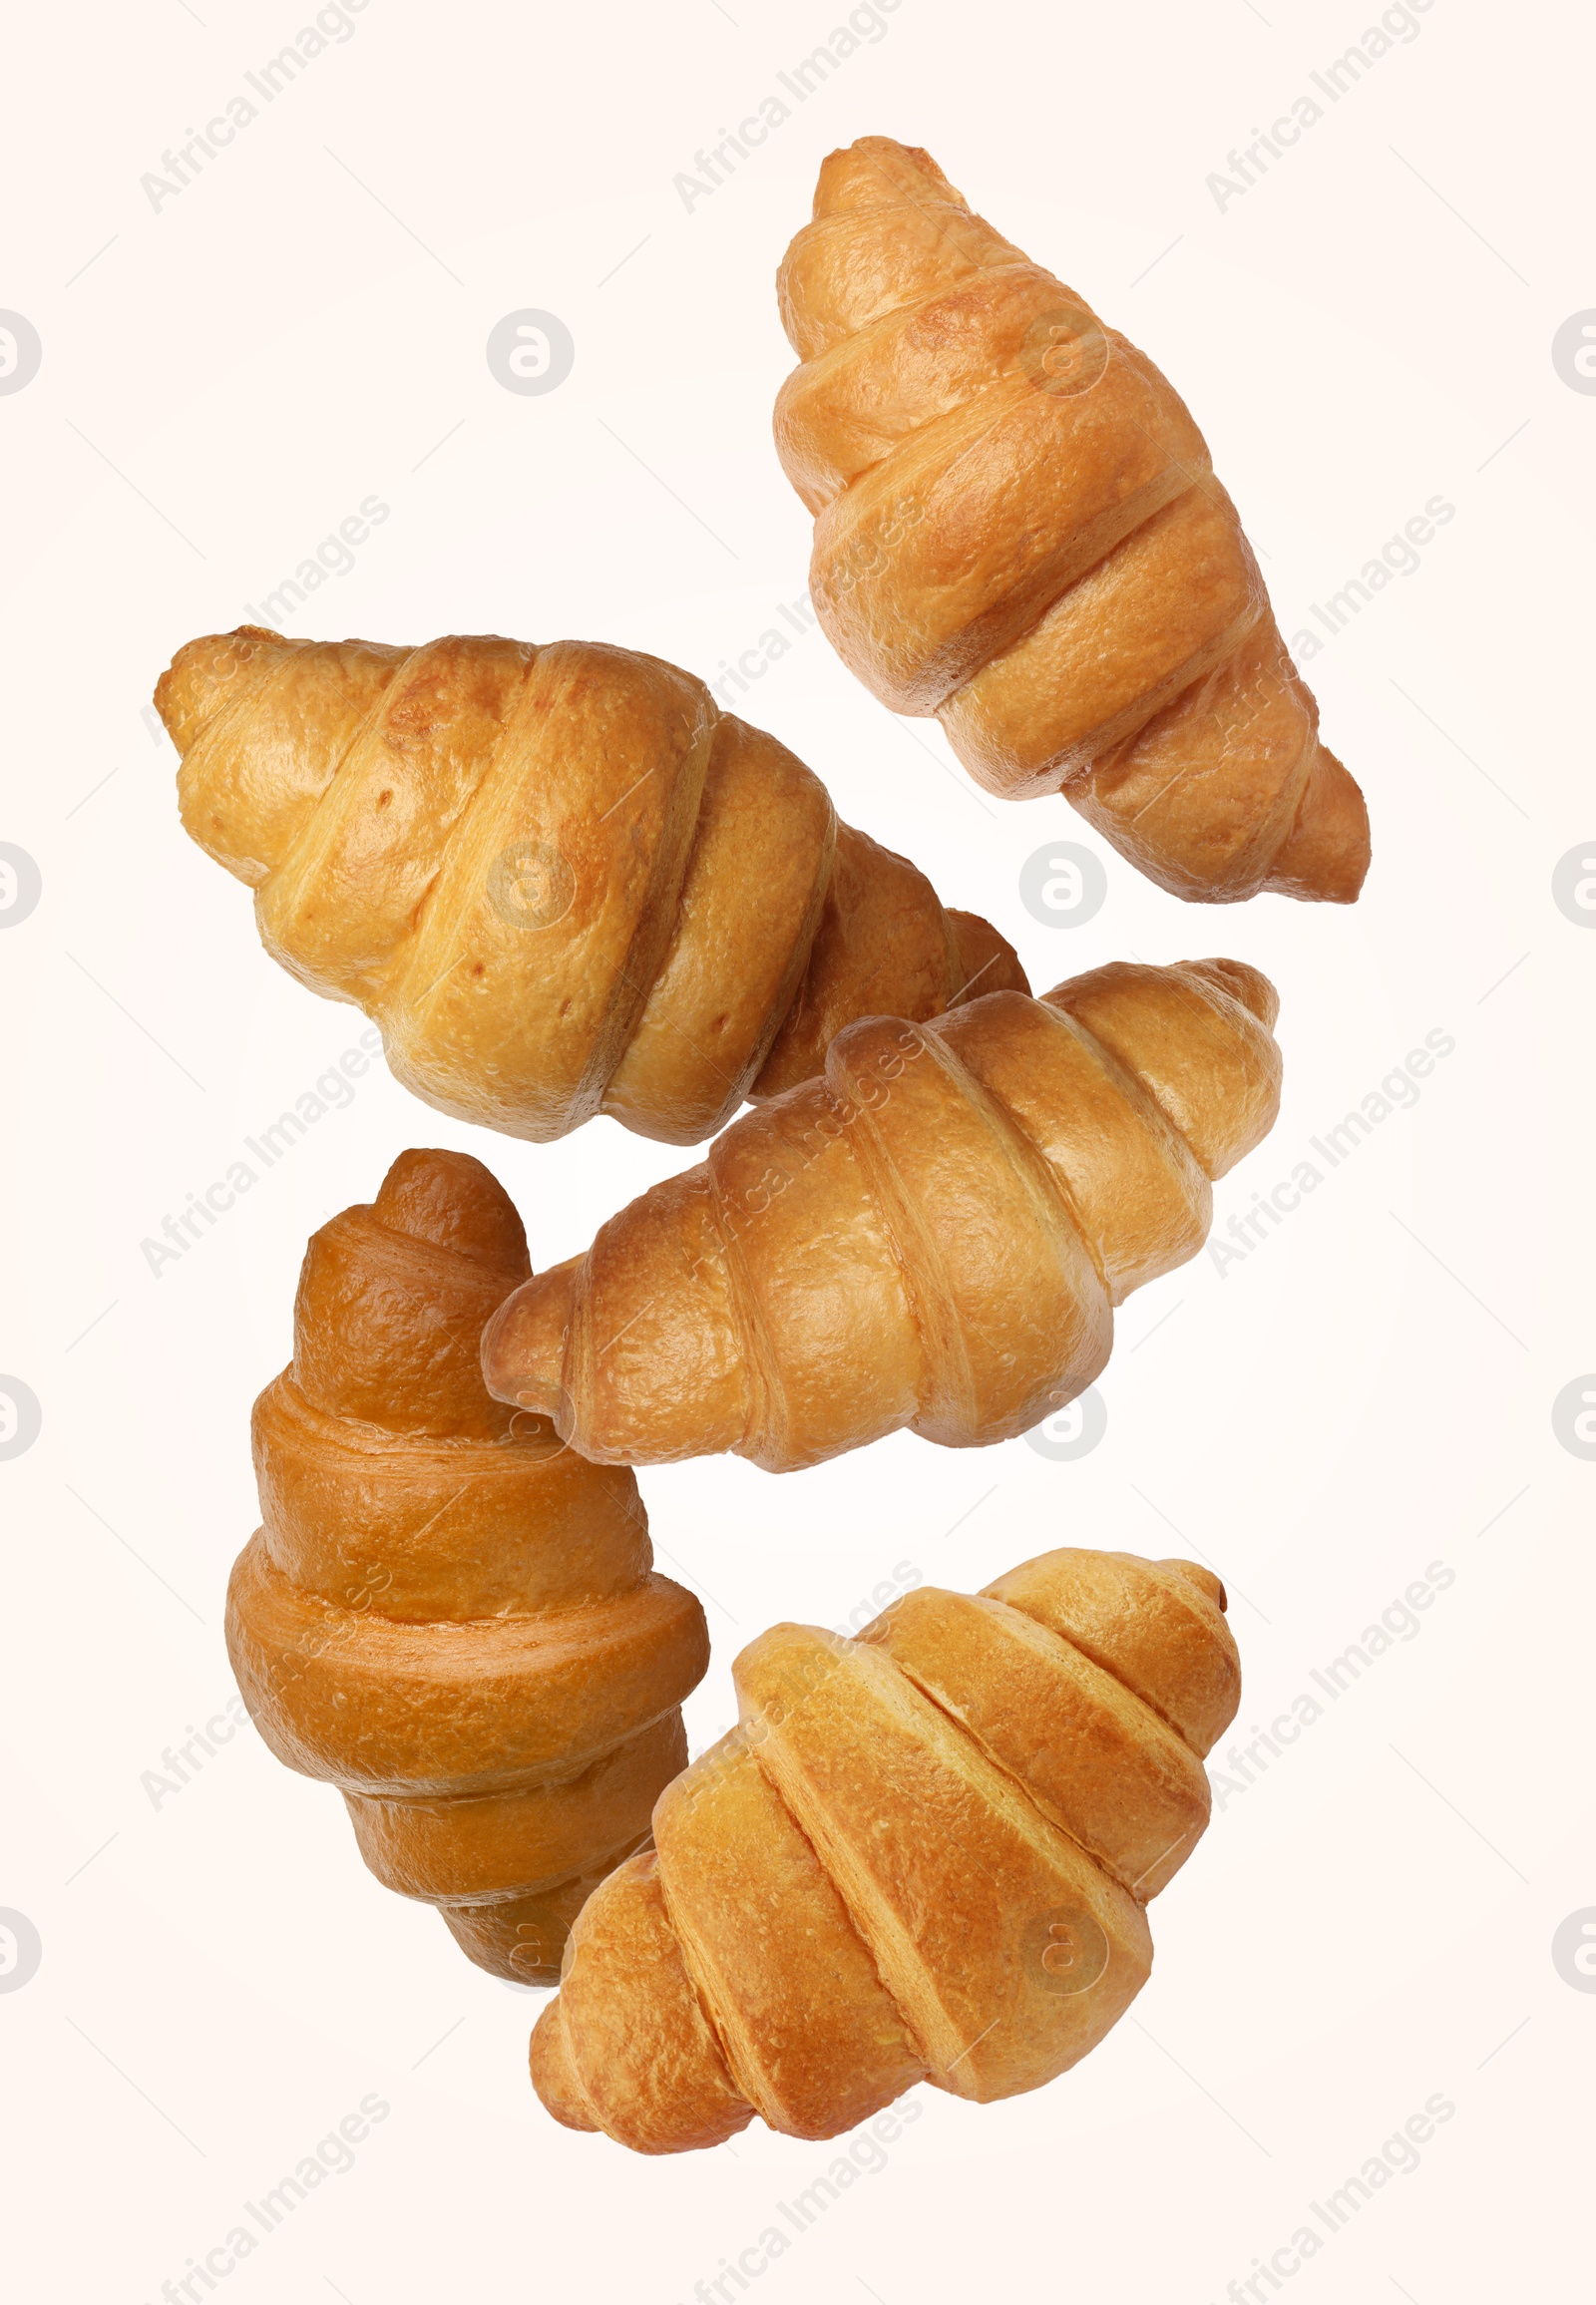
(1371, 1390)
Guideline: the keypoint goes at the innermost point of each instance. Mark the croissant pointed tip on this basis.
(195, 682)
(1245, 984)
(989, 962)
(495, 1361)
(1204, 1580)
(1325, 857)
(451, 1200)
(524, 1344)
(552, 2076)
(873, 169)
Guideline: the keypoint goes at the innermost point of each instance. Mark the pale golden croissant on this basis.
(922, 1855)
(447, 1614)
(558, 878)
(1018, 530)
(932, 1233)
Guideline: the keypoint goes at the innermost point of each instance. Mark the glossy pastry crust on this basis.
(1017, 529)
(446, 1613)
(923, 1854)
(933, 1232)
(559, 878)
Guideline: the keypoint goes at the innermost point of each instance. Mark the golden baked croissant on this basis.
(922, 1855)
(558, 878)
(932, 1233)
(1017, 529)
(447, 1614)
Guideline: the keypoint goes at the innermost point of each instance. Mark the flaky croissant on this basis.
(446, 1613)
(1017, 529)
(559, 878)
(921, 1855)
(932, 1233)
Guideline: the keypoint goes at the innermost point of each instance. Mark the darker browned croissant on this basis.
(922, 1855)
(558, 878)
(1017, 529)
(446, 1613)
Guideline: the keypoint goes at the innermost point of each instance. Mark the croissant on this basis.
(1017, 529)
(933, 1232)
(446, 1613)
(922, 1855)
(559, 879)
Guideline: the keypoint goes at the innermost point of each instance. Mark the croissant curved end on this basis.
(1243, 982)
(524, 1344)
(552, 2075)
(1327, 854)
(195, 682)
(1204, 1580)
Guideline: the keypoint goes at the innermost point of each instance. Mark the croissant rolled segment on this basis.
(559, 878)
(924, 1854)
(1018, 530)
(933, 1233)
(447, 1613)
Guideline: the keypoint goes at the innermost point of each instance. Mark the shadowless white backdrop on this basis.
(207, 365)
